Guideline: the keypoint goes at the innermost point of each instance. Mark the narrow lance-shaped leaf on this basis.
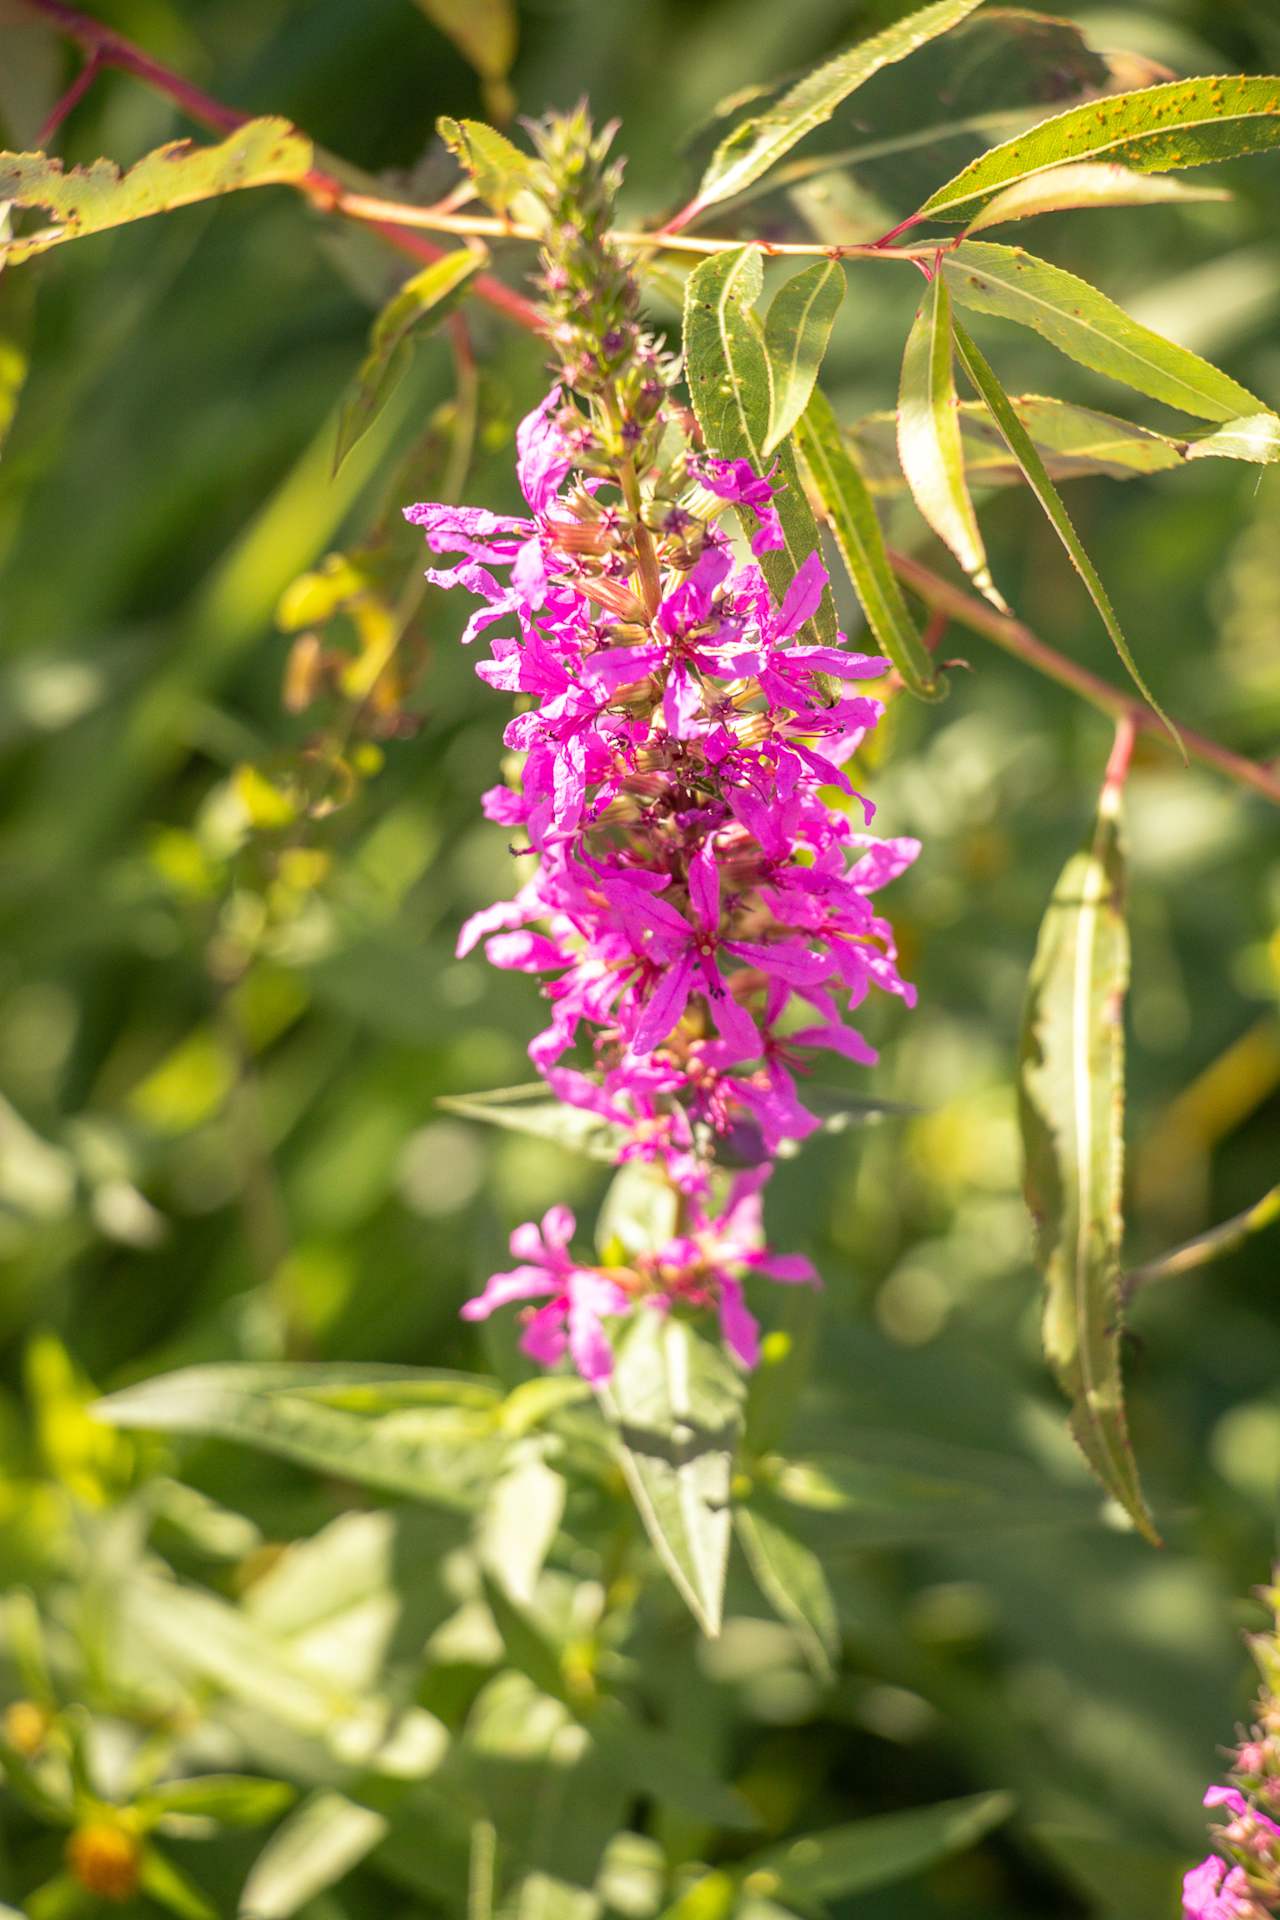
(755, 144)
(530, 1108)
(1021, 447)
(1082, 323)
(797, 329)
(840, 1861)
(675, 1404)
(1088, 183)
(431, 295)
(505, 178)
(850, 512)
(319, 1844)
(1206, 1247)
(484, 32)
(732, 395)
(790, 1576)
(929, 442)
(90, 199)
(1071, 1096)
(1157, 130)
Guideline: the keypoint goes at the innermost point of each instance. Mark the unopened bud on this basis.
(106, 1859)
(25, 1726)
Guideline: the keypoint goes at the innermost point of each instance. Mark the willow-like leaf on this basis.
(790, 1575)
(91, 199)
(1021, 447)
(1087, 183)
(929, 441)
(732, 394)
(797, 329)
(675, 1404)
(427, 297)
(1071, 1096)
(485, 33)
(1084, 324)
(757, 143)
(1156, 130)
(850, 512)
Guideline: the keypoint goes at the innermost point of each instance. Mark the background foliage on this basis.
(219, 1136)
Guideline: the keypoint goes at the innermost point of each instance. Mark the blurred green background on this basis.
(219, 1135)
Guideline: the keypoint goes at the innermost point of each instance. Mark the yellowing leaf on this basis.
(1088, 183)
(485, 34)
(1156, 130)
(1072, 1108)
(796, 331)
(91, 199)
(929, 442)
(429, 295)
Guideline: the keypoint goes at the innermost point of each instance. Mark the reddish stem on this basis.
(70, 100)
(903, 226)
(1121, 751)
(106, 48)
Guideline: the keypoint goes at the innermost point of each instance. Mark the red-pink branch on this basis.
(106, 47)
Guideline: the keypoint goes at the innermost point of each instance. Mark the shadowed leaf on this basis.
(428, 296)
(796, 331)
(1089, 183)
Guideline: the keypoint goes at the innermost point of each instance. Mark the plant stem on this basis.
(107, 48)
(967, 610)
(1205, 1246)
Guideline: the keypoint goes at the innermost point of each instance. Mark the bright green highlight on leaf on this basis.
(1087, 183)
(755, 144)
(1071, 1095)
(91, 199)
(849, 510)
(929, 440)
(797, 329)
(1084, 324)
(1156, 130)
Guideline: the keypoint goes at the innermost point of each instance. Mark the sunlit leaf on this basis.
(849, 511)
(757, 143)
(929, 442)
(1020, 446)
(1071, 1096)
(1206, 1247)
(790, 1576)
(1072, 441)
(639, 1213)
(428, 296)
(484, 32)
(232, 1799)
(841, 1861)
(1156, 130)
(1081, 322)
(317, 1846)
(504, 178)
(729, 384)
(797, 329)
(422, 1452)
(531, 1109)
(170, 1887)
(1088, 183)
(90, 199)
(675, 1403)
(1256, 438)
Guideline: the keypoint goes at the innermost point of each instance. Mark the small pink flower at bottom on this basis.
(580, 1297)
(1214, 1891)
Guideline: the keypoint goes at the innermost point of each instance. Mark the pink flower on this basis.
(580, 1298)
(1214, 1891)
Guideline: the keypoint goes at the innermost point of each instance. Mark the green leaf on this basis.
(1206, 1247)
(527, 1647)
(790, 1576)
(411, 1451)
(732, 393)
(1089, 183)
(530, 1109)
(1020, 446)
(849, 510)
(1071, 1099)
(232, 1799)
(639, 1213)
(675, 1403)
(507, 180)
(1072, 441)
(91, 199)
(1082, 323)
(17, 311)
(1256, 438)
(172, 1888)
(1156, 130)
(485, 34)
(929, 443)
(757, 143)
(873, 1853)
(433, 292)
(797, 329)
(321, 1842)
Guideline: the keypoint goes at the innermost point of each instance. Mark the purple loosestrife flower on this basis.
(701, 914)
